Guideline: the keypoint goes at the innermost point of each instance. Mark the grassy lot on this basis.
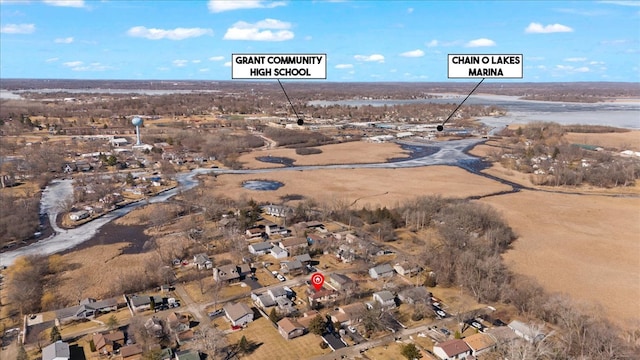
(193, 289)
(273, 346)
(386, 352)
(123, 316)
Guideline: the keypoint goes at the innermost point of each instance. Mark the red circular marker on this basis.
(317, 280)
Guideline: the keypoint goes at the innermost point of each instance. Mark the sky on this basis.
(384, 40)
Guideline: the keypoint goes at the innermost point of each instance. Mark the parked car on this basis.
(445, 331)
(275, 274)
(281, 278)
(351, 328)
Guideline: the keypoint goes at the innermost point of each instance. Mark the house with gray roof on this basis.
(260, 248)
(59, 350)
(414, 295)
(226, 273)
(385, 298)
(88, 308)
(380, 271)
(202, 261)
(292, 267)
(238, 313)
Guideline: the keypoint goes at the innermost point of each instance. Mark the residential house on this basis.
(239, 313)
(140, 303)
(131, 352)
(279, 253)
(480, 343)
(385, 298)
(502, 334)
(153, 325)
(304, 258)
(244, 270)
(307, 317)
(414, 295)
(226, 273)
(286, 306)
(341, 282)
(314, 239)
(260, 248)
(381, 271)
(255, 233)
(317, 225)
(346, 253)
(271, 228)
(348, 314)
(529, 332)
(277, 210)
(294, 244)
(88, 309)
(452, 350)
(59, 350)
(202, 261)
(108, 343)
(265, 301)
(290, 328)
(277, 292)
(179, 325)
(407, 269)
(321, 296)
(293, 267)
(187, 355)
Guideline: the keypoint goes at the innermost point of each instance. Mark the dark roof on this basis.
(261, 246)
(131, 350)
(340, 278)
(303, 257)
(334, 341)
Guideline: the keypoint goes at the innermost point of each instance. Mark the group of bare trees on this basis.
(540, 148)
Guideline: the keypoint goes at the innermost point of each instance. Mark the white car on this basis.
(351, 328)
(441, 313)
(281, 278)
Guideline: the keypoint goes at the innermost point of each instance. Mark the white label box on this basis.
(279, 66)
(491, 66)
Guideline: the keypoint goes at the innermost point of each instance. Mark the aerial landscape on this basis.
(249, 179)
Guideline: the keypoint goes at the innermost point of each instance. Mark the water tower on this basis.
(137, 122)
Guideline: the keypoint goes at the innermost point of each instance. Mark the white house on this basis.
(452, 349)
(239, 314)
(59, 350)
(279, 253)
(531, 333)
(480, 343)
(202, 261)
(380, 271)
(79, 215)
(260, 248)
(385, 298)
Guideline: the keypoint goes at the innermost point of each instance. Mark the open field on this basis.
(372, 187)
(585, 246)
(345, 153)
(273, 346)
(622, 141)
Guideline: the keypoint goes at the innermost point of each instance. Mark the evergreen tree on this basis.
(22, 354)
(410, 351)
(273, 316)
(55, 334)
(243, 345)
(317, 325)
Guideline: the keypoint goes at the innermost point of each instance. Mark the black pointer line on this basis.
(300, 121)
(441, 127)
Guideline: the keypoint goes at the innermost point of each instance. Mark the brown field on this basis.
(622, 141)
(587, 246)
(345, 153)
(373, 187)
(273, 346)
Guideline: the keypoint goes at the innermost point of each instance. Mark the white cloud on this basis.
(571, 69)
(413, 53)
(80, 66)
(260, 31)
(174, 34)
(227, 64)
(432, 43)
(537, 28)
(204, 70)
(18, 29)
(50, 60)
(66, 3)
(575, 59)
(344, 66)
(196, 61)
(72, 63)
(482, 42)
(596, 62)
(67, 40)
(374, 57)
(180, 63)
(217, 6)
(216, 58)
